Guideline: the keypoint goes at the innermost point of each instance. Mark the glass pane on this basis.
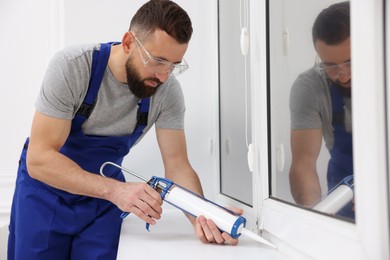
(236, 179)
(310, 105)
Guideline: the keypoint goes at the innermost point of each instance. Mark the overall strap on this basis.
(99, 65)
(341, 155)
(142, 119)
(337, 107)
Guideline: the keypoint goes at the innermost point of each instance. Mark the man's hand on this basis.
(139, 199)
(208, 232)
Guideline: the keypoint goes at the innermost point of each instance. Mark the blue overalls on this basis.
(341, 157)
(48, 223)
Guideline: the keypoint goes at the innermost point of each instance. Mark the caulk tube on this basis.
(197, 205)
(337, 198)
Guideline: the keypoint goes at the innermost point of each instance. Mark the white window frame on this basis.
(302, 233)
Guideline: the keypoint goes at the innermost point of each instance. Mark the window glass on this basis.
(234, 102)
(310, 114)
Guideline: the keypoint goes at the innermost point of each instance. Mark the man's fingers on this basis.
(216, 233)
(139, 213)
(153, 194)
(141, 200)
(199, 231)
(229, 240)
(149, 202)
(149, 207)
(206, 230)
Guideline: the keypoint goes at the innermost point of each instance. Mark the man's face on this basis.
(335, 59)
(144, 75)
(140, 87)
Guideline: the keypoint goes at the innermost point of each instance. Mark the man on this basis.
(95, 103)
(320, 104)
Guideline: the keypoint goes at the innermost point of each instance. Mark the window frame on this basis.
(300, 232)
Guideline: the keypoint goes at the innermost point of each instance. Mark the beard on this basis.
(344, 91)
(137, 85)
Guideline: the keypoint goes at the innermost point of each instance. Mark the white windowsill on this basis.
(173, 236)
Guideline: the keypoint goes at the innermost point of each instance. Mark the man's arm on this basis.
(45, 163)
(173, 148)
(304, 182)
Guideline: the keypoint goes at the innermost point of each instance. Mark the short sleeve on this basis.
(171, 115)
(305, 102)
(64, 85)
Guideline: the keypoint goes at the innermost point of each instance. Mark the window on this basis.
(298, 231)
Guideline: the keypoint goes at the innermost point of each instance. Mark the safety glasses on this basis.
(333, 71)
(157, 65)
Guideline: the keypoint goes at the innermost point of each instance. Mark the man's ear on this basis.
(128, 41)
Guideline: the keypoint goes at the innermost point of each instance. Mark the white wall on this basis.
(32, 31)
(25, 31)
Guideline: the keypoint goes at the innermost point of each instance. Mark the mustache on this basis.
(156, 80)
(140, 90)
(344, 83)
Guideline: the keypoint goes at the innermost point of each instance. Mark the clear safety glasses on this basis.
(157, 65)
(333, 71)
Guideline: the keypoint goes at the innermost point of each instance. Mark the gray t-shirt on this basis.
(311, 105)
(65, 85)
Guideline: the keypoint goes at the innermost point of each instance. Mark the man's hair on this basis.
(165, 15)
(332, 25)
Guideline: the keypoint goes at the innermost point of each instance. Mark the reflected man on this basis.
(320, 106)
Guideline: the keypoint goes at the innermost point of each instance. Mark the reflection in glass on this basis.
(318, 173)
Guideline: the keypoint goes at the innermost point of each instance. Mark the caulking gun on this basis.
(195, 205)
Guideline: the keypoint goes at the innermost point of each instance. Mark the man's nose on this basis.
(162, 76)
(344, 77)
